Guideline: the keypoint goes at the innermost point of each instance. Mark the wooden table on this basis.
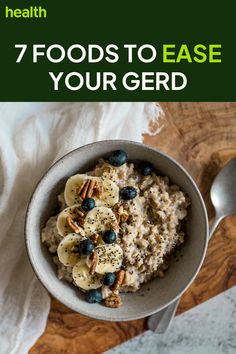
(202, 137)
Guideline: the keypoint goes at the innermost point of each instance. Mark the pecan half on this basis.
(73, 225)
(119, 280)
(80, 216)
(79, 190)
(89, 188)
(79, 212)
(113, 301)
(94, 262)
(84, 191)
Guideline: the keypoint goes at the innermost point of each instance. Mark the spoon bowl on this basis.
(223, 190)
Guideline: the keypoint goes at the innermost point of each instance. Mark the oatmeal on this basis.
(118, 226)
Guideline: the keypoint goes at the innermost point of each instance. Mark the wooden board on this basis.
(202, 137)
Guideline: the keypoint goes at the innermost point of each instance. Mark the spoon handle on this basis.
(214, 225)
(160, 321)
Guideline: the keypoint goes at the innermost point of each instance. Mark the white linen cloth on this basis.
(32, 137)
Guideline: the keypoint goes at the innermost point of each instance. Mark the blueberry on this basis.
(128, 193)
(86, 247)
(109, 279)
(93, 296)
(109, 236)
(88, 204)
(118, 158)
(145, 168)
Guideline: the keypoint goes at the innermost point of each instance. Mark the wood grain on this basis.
(202, 137)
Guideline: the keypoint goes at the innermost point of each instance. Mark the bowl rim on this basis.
(143, 313)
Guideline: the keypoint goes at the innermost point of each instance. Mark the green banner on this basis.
(117, 51)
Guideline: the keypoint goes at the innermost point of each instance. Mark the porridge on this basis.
(117, 228)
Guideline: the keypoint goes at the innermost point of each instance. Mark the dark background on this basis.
(105, 22)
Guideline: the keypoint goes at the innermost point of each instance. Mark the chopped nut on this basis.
(116, 211)
(121, 214)
(81, 222)
(116, 207)
(94, 259)
(113, 301)
(98, 189)
(94, 238)
(114, 226)
(73, 225)
(119, 280)
(124, 217)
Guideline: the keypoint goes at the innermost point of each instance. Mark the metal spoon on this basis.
(223, 197)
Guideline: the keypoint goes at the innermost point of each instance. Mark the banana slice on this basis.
(73, 185)
(110, 258)
(84, 279)
(98, 220)
(68, 221)
(109, 195)
(67, 250)
(107, 192)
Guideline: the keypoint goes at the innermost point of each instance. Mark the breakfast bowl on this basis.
(153, 295)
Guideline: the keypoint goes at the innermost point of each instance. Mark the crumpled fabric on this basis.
(32, 137)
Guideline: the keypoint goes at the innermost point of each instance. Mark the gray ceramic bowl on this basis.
(152, 296)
